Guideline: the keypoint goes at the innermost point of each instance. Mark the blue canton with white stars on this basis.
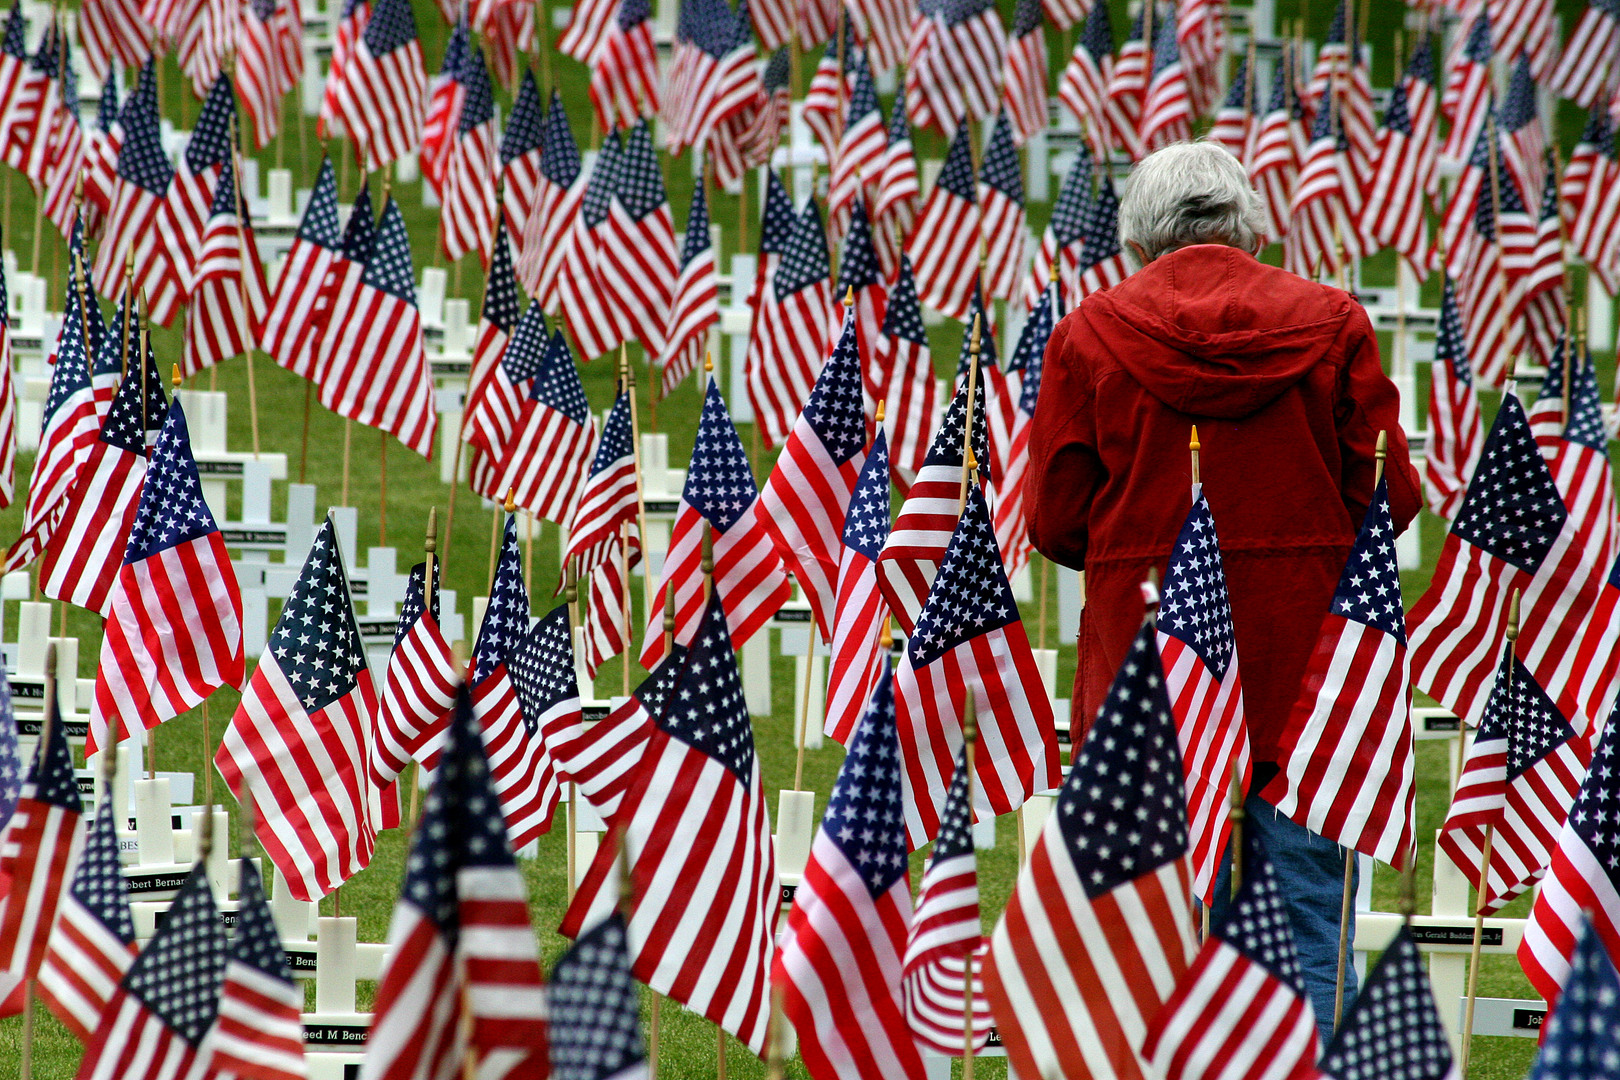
(1520, 713)
(16, 40)
(866, 525)
(957, 12)
(316, 643)
(719, 482)
(94, 329)
(455, 51)
(1195, 608)
(696, 241)
(1421, 67)
(141, 159)
(656, 691)
(1595, 814)
(525, 354)
(970, 596)
(632, 12)
(389, 267)
(593, 208)
(1000, 169)
(1257, 924)
(211, 139)
(122, 338)
(1369, 590)
(1586, 426)
(178, 974)
(866, 816)
(1599, 131)
(1029, 356)
(1519, 105)
(1098, 33)
(640, 188)
(50, 778)
(899, 125)
(506, 620)
(411, 608)
(779, 219)
(98, 883)
(1027, 17)
(501, 298)
(1392, 1031)
(1450, 346)
(946, 449)
(542, 668)
(777, 71)
(320, 223)
(556, 385)
(559, 153)
(359, 230)
(836, 409)
(615, 444)
(257, 942)
(225, 201)
(123, 426)
(1512, 509)
(1122, 813)
(70, 374)
(1398, 117)
(479, 105)
(1581, 1039)
(955, 837)
(1237, 95)
(594, 1006)
(526, 127)
(11, 764)
(902, 318)
(804, 262)
(391, 26)
(957, 175)
(863, 100)
(988, 354)
(706, 708)
(172, 510)
(858, 264)
(1102, 226)
(1069, 212)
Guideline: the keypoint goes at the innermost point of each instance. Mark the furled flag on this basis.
(757, 129)
(101, 153)
(1201, 39)
(1028, 360)
(1083, 89)
(138, 220)
(114, 36)
(1518, 781)
(21, 87)
(777, 222)
(694, 310)
(461, 981)
(191, 200)
(1127, 87)
(1468, 95)
(1579, 461)
(857, 160)
(1002, 223)
(603, 759)
(1406, 166)
(155, 1025)
(289, 332)
(860, 279)
(624, 71)
(1279, 145)
(1591, 197)
(205, 36)
(1543, 289)
(259, 73)
(580, 295)
(602, 538)
(39, 849)
(228, 297)
(1023, 96)
(794, 325)
(373, 366)
(1393, 1023)
(719, 498)
(1102, 260)
(32, 108)
(1512, 532)
(712, 73)
(859, 611)
(1167, 108)
(383, 92)
(419, 684)
(1240, 1012)
(595, 1007)
(805, 500)
(1099, 929)
(1581, 1038)
(259, 1033)
(1524, 140)
(1584, 72)
(1455, 432)
(550, 448)
(546, 231)
(839, 966)
(522, 161)
(297, 745)
(1583, 881)
(947, 940)
(507, 354)
(1347, 774)
(1234, 127)
(910, 389)
(447, 96)
(707, 945)
(969, 638)
(895, 206)
(638, 262)
(944, 246)
(1199, 650)
(93, 943)
(467, 222)
(1326, 203)
(1063, 239)
(929, 516)
(1339, 82)
(351, 23)
(587, 26)
(955, 73)
(1597, 677)
(1489, 241)
(175, 632)
(86, 547)
(64, 137)
(823, 111)
(11, 770)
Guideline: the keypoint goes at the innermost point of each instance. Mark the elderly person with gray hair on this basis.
(1282, 378)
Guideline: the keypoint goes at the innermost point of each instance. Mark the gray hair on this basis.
(1190, 193)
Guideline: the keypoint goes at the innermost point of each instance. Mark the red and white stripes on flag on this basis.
(624, 69)
(1002, 223)
(547, 233)
(1585, 69)
(1083, 89)
(603, 759)
(911, 389)
(637, 261)
(1591, 198)
(419, 684)
(580, 296)
(509, 349)
(289, 332)
(382, 94)
(259, 1032)
(1455, 432)
(467, 221)
(694, 310)
(549, 452)
(39, 848)
(93, 942)
(228, 297)
(859, 611)
(113, 34)
(944, 245)
(793, 326)
(1023, 95)
(260, 74)
(1406, 166)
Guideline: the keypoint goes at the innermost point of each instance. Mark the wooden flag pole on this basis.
(26, 1064)
(627, 373)
(430, 546)
(382, 490)
(1193, 447)
(348, 440)
(570, 595)
(624, 570)
(497, 530)
(970, 742)
(968, 464)
(129, 317)
(528, 550)
(303, 455)
(243, 322)
(1236, 814)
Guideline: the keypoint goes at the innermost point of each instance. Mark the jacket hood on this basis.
(1211, 331)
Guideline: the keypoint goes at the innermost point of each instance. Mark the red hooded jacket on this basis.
(1283, 379)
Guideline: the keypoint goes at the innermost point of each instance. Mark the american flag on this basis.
(1102, 261)
(1326, 202)
(1468, 95)
(1083, 89)
(547, 456)
(712, 73)
(1063, 240)
(857, 160)
(1524, 140)
(1406, 172)
(1340, 80)
(86, 546)
(207, 32)
(259, 73)
(31, 109)
(1513, 531)
(101, 153)
(1099, 929)
(748, 573)
(595, 1006)
(929, 516)
(957, 77)
(580, 295)
(1127, 86)
(606, 618)
(1279, 146)
(910, 390)
(228, 296)
(624, 72)
(175, 632)
(507, 355)
(1527, 26)
(289, 27)
(1028, 359)
(694, 309)
(39, 848)
(794, 325)
(1583, 881)
(351, 23)
(383, 91)
(1585, 69)
(447, 96)
(860, 278)
(419, 684)
(1240, 1012)
(1543, 286)
(1065, 13)
(1000, 401)
(883, 28)
(895, 206)
(63, 136)
(1519, 778)
(1578, 1038)
(1348, 770)
(708, 942)
(505, 654)
(1591, 210)
(191, 196)
(467, 221)
(548, 229)
(1455, 431)
(1167, 108)
(806, 498)
(156, 1024)
(21, 87)
(1201, 39)
(1023, 98)
(297, 745)
(289, 333)
(11, 770)
(373, 366)
(353, 249)
(259, 1033)
(969, 638)
(114, 35)
(946, 938)
(839, 965)
(1196, 640)
(1393, 1027)
(138, 220)
(823, 110)
(639, 262)
(604, 759)
(757, 129)
(777, 222)
(859, 610)
(522, 161)
(944, 246)
(461, 980)
(1234, 127)
(607, 498)
(1002, 224)
(1477, 242)
(587, 27)
(817, 19)
(93, 942)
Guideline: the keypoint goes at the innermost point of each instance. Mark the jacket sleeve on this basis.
(1369, 403)
(1064, 468)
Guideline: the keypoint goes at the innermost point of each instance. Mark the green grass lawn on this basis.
(688, 1044)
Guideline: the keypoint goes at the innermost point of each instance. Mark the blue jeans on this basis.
(1310, 872)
